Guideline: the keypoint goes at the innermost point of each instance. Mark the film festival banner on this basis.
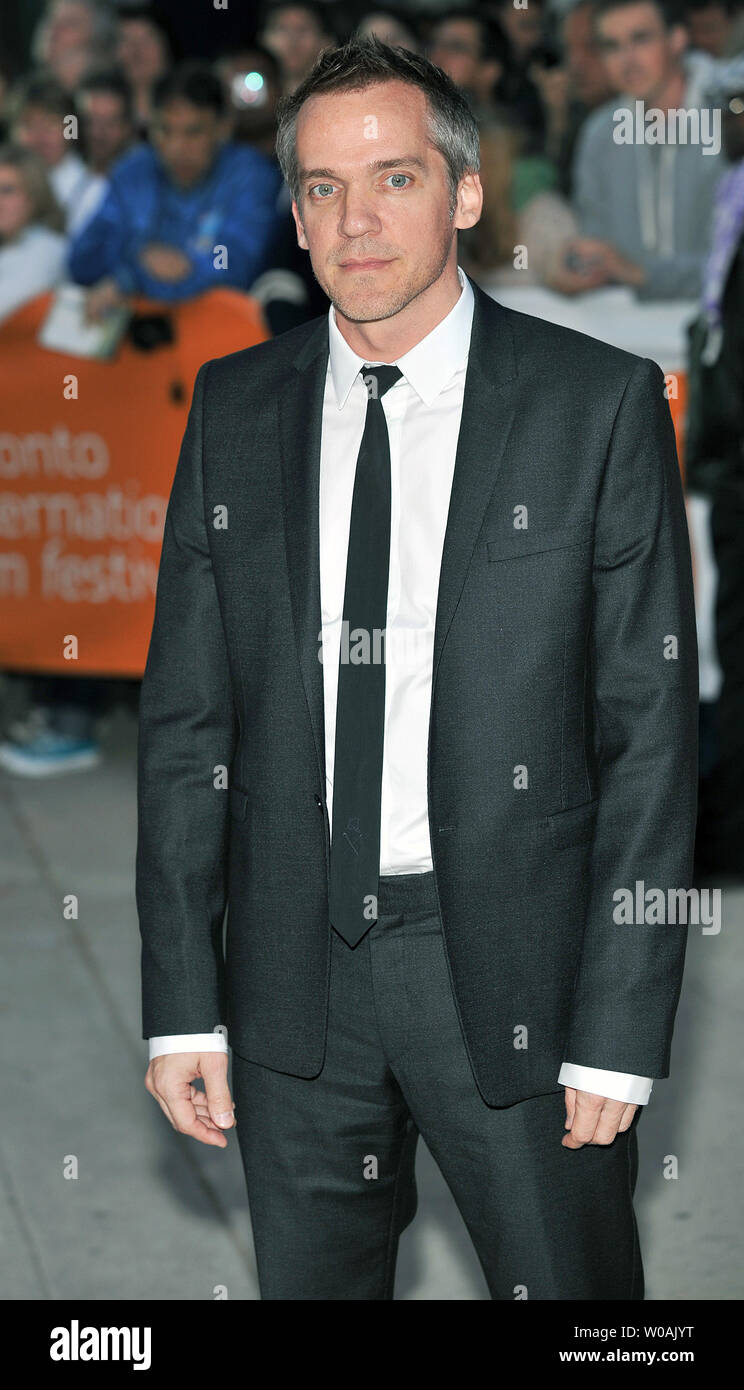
(88, 450)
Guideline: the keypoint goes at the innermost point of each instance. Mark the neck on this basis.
(385, 340)
(670, 93)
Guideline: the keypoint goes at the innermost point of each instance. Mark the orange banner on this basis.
(88, 450)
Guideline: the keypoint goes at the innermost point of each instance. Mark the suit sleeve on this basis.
(644, 674)
(187, 731)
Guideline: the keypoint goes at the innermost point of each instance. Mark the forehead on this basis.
(640, 16)
(362, 122)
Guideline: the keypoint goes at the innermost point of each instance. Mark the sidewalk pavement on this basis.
(151, 1214)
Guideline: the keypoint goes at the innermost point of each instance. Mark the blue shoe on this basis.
(34, 748)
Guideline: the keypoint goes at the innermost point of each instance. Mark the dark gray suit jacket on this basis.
(552, 654)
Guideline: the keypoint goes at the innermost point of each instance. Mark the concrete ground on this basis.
(153, 1215)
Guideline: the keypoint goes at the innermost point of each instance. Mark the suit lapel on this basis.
(487, 416)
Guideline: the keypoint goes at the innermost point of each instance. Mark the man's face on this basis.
(456, 49)
(186, 139)
(293, 36)
(141, 50)
(70, 25)
(107, 130)
(377, 237)
(640, 53)
(524, 27)
(584, 61)
(42, 131)
(709, 29)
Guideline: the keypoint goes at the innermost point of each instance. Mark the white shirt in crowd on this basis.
(30, 264)
(77, 190)
(422, 409)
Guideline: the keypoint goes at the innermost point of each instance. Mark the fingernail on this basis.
(226, 1118)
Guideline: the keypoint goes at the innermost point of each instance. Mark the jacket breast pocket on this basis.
(516, 544)
(574, 826)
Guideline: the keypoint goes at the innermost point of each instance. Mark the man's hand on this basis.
(100, 300)
(202, 1114)
(165, 262)
(594, 1119)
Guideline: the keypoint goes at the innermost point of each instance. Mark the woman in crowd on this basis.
(32, 249)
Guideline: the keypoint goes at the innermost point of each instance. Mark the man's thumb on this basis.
(219, 1100)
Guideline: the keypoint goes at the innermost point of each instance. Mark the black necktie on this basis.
(360, 709)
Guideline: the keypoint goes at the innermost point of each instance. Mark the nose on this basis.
(358, 215)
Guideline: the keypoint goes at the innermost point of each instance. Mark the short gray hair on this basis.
(366, 62)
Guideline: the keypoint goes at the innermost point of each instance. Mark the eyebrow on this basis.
(375, 167)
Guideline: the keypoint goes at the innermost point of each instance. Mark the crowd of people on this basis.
(612, 154)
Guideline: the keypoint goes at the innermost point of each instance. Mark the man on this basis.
(420, 853)
(295, 33)
(644, 205)
(587, 87)
(40, 115)
(193, 212)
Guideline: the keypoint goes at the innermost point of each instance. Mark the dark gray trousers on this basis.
(329, 1162)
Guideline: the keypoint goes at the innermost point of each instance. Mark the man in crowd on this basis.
(40, 120)
(644, 204)
(296, 34)
(191, 212)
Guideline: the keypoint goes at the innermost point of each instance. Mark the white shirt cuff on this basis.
(616, 1085)
(187, 1042)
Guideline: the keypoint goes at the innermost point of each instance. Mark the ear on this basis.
(469, 202)
(301, 238)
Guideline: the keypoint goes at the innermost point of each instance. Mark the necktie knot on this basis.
(378, 380)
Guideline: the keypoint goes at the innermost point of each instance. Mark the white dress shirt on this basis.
(423, 410)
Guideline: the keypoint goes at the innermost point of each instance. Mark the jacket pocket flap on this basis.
(575, 825)
(519, 543)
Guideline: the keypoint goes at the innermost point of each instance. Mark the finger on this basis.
(188, 1122)
(627, 1118)
(586, 1117)
(213, 1069)
(570, 1105)
(612, 1113)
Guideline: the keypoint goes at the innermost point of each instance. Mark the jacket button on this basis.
(318, 801)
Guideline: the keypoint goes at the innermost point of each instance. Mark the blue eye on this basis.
(321, 185)
(400, 176)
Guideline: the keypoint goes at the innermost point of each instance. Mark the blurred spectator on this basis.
(145, 50)
(40, 110)
(72, 36)
(520, 208)
(390, 28)
(714, 456)
(104, 101)
(296, 34)
(473, 51)
(587, 86)
(193, 212)
(644, 207)
(710, 24)
(524, 224)
(524, 26)
(526, 55)
(287, 291)
(32, 249)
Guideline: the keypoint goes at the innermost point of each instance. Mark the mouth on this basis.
(371, 264)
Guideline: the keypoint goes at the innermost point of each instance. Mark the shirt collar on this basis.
(427, 367)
